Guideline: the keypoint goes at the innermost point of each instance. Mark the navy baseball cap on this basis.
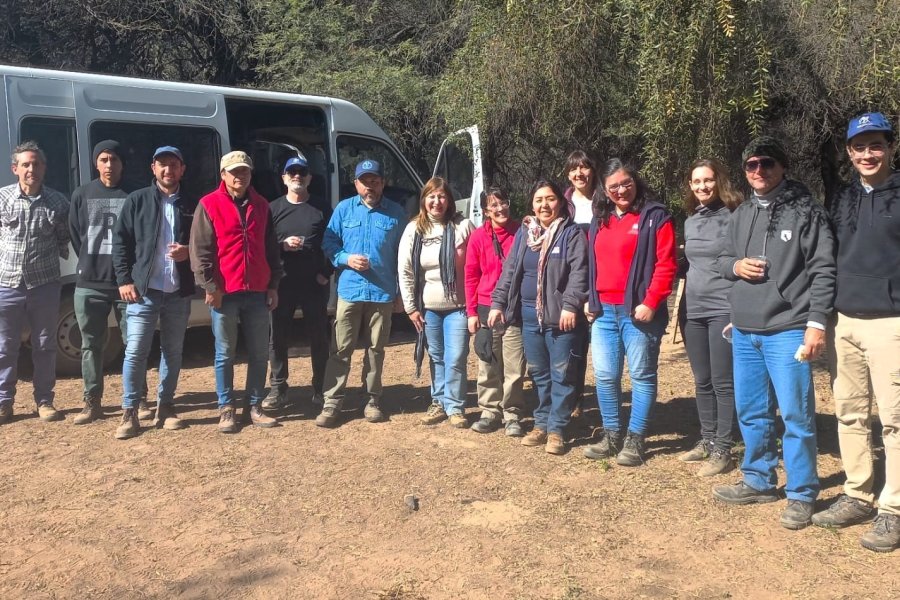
(168, 150)
(369, 167)
(870, 121)
(295, 161)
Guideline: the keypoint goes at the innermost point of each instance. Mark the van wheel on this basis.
(68, 340)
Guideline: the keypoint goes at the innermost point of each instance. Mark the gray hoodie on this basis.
(794, 234)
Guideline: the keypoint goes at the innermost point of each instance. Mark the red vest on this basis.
(241, 246)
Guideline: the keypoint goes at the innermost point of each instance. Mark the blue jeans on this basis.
(447, 334)
(764, 362)
(615, 335)
(39, 307)
(171, 311)
(554, 364)
(250, 309)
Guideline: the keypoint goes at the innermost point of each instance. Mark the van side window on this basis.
(56, 137)
(401, 186)
(200, 146)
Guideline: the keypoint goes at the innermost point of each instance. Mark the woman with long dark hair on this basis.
(709, 199)
(544, 286)
(432, 257)
(632, 267)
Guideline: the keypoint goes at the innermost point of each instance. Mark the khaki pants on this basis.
(373, 321)
(500, 382)
(865, 360)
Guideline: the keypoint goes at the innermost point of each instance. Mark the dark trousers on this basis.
(711, 361)
(312, 298)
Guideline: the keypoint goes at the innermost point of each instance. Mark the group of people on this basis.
(772, 281)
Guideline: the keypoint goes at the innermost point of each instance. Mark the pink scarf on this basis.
(539, 238)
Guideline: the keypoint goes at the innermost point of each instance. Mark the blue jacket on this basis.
(354, 228)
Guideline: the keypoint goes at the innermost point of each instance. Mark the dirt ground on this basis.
(304, 512)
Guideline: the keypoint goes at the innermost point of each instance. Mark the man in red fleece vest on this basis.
(235, 256)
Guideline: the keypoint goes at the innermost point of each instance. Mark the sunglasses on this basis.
(301, 172)
(759, 163)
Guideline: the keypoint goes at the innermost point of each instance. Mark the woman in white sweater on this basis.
(432, 259)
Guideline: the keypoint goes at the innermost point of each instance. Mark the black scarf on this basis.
(446, 261)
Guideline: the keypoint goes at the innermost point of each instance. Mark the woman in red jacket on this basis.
(501, 364)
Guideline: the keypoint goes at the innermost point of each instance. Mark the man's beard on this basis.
(296, 188)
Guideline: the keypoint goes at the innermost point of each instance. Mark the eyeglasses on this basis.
(295, 172)
(624, 186)
(759, 163)
(875, 149)
(498, 205)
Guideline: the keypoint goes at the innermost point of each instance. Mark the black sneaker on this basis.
(485, 425)
(632, 453)
(798, 514)
(884, 535)
(608, 447)
(845, 512)
(741, 493)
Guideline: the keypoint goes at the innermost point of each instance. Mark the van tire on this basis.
(68, 340)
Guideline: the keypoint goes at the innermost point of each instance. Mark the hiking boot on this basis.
(227, 423)
(884, 535)
(700, 451)
(372, 412)
(741, 493)
(166, 417)
(632, 452)
(485, 425)
(434, 415)
(6, 412)
(513, 428)
(535, 437)
(845, 512)
(276, 399)
(798, 514)
(261, 419)
(555, 444)
(130, 425)
(328, 417)
(143, 411)
(719, 462)
(458, 420)
(47, 413)
(90, 412)
(609, 445)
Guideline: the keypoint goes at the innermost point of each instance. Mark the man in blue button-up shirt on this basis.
(361, 240)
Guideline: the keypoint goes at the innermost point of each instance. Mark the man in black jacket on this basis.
(150, 256)
(865, 353)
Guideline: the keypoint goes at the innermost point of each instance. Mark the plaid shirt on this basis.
(33, 236)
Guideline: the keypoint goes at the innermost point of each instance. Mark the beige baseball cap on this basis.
(235, 159)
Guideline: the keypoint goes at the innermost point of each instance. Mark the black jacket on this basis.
(795, 236)
(93, 213)
(137, 233)
(867, 234)
(565, 284)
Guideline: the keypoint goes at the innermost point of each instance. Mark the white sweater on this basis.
(430, 272)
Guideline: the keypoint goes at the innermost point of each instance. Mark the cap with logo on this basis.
(235, 159)
(866, 122)
(168, 150)
(295, 161)
(369, 167)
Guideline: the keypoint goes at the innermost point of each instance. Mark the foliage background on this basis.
(658, 82)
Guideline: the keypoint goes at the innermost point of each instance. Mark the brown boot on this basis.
(227, 423)
(143, 410)
(261, 419)
(47, 412)
(91, 411)
(555, 444)
(130, 425)
(166, 417)
(535, 437)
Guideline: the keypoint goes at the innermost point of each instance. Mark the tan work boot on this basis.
(89, 413)
(166, 417)
(434, 415)
(261, 419)
(555, 444)
(143, 410)
(130, 425)
(535, 437)
(227, 423)
(47, 413)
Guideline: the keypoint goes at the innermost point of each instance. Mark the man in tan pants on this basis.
(866, 335)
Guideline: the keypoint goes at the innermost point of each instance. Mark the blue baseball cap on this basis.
(168, 150)
(871, 121)
(295, 161)
(369, 167)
